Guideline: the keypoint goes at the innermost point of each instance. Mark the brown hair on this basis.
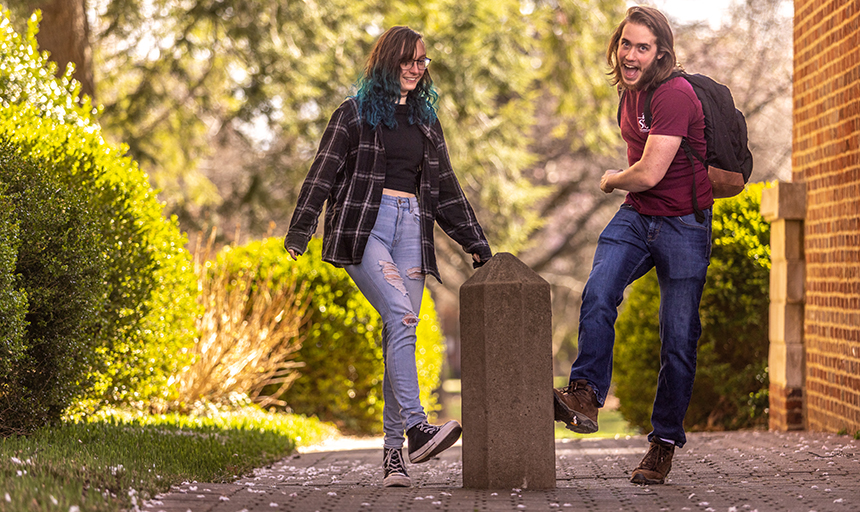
(665, 62)
(396, 45)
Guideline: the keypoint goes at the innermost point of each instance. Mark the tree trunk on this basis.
(65, 34)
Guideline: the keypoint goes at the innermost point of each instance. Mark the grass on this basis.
(112, 462)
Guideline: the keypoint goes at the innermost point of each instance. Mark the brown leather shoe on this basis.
(576, 407)
(656, 464)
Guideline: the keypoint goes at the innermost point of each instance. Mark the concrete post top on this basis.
(504, 267)
(785, 200)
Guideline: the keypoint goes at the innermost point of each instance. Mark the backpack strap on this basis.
(689, 151)
(647, 105)
(648, 97)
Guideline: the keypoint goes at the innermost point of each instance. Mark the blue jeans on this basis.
(630, 245)
(390, 277)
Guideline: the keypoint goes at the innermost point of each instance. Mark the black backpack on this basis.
(728, 159)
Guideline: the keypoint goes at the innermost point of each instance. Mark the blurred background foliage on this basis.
(219, 104)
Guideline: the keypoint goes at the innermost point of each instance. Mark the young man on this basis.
(655, 227)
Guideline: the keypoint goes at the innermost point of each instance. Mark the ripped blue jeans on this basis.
(390, 277)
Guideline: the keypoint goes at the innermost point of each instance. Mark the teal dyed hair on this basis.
(379, 85)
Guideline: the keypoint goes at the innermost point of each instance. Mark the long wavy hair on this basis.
(379, 84)
(666, 61)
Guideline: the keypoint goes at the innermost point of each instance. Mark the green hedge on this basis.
(57, 284)
(731, 388)
(149, 300)
(341, 380)
(13, 300)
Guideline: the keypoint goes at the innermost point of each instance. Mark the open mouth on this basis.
(631, 73)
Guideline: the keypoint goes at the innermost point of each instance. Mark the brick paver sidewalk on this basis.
(735, 472)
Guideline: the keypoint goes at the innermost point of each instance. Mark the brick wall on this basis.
(826, 157)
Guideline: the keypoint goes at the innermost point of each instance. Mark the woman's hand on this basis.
(293, 254)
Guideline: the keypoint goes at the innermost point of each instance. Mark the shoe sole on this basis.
(444, 439)
(397, 480)
(643, 480)
(575, 421)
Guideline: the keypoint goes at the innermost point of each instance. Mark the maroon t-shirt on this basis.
(675, 110)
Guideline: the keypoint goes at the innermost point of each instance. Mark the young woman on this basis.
(383, 168)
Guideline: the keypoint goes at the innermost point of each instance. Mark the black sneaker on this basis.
(394, 469)
(656, 464)
(426, 440)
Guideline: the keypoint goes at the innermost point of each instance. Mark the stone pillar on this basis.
(506, 377)
(784, 206)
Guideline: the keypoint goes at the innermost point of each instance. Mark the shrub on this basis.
(58, 268)
(731, 385)
(149, 304)
(340, 379)
(13, 300)
(249, 334)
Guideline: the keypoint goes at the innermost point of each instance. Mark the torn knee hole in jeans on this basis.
(414, 273)
(410, 319)
(392, 275)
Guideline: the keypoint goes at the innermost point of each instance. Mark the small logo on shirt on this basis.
(642, 126)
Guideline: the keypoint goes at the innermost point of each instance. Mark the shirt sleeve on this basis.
(328, 163)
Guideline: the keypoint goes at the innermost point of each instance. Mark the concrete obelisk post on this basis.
(506, 377)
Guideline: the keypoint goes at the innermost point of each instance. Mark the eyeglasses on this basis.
(421, 63)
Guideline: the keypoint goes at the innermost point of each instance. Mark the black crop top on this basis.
(404, 149)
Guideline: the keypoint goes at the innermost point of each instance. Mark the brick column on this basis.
(784, 206)
(506, 368)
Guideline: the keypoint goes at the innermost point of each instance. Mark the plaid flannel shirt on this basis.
(349, 172)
